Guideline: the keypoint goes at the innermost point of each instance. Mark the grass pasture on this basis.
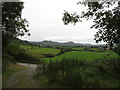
(95, 49)
(80, 48)
(89, 56)
(35, 49)
(83, 48)
(25, 46)
(45, 51)
(39, 52)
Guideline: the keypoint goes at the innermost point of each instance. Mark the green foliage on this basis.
(62, 71)
(19, 54)
(12, 23)
(117, 50)
(81, 74)
(106, 18)
(20, 42)
(109, 66)
(73, 18)
(6, 60)
(7, 57)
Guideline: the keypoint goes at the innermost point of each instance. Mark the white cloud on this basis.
(45, 18)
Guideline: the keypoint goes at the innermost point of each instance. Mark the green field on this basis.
(80, 55)
(81, 48)
(89, 56)
(25, 47)
(35, 49)
(39, 51)
(45, 51)
(95, 49)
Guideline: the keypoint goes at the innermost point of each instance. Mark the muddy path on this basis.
(23, 78)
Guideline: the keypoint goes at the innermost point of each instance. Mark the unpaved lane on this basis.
(24, 78)
(31, 66)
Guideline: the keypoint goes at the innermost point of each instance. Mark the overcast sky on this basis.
(45, 18)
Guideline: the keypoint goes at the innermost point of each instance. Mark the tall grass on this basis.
(81, 73)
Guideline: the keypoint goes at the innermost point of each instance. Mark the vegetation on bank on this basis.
(12, 54)
(19, 55)
(102, 73)
(8, 69)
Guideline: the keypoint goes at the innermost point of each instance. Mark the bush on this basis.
(48, 55)
(6, 61)
(108, 66)
(19, 54)
(73, 79)
(117, 50)
(7, 57)
(82, 74)
(62, 71)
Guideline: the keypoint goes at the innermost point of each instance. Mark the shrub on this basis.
(7, 57)
(19, 54)
(6, 61)
(109, 66)
(62, 71)
(82, 74)
(117, 50)
(73, 79)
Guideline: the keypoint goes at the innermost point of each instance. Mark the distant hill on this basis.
(52, 43)
(19, 41)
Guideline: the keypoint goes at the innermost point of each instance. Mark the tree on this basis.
(106, 18)
(12, 23)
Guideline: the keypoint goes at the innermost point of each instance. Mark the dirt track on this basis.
(23, 78)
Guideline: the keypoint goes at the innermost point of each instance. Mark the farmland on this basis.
(80, 65)
(89, 56)
(42, 52)
(45, 51)
(81, 68)
(39, 52)
(78, 48)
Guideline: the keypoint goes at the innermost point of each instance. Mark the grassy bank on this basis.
(10, 70)
(103, 73)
